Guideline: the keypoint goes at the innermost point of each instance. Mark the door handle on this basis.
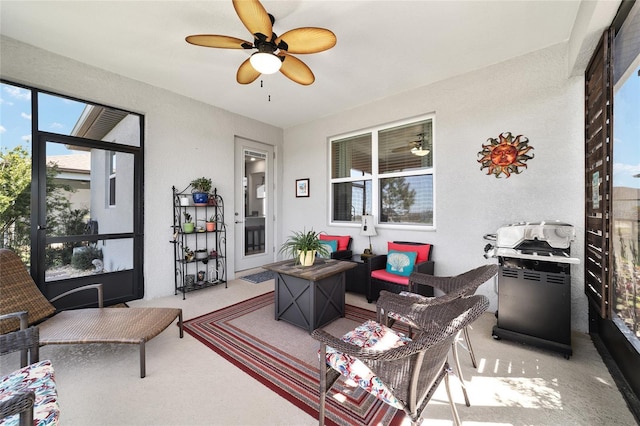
(42, 228)
(238, 221)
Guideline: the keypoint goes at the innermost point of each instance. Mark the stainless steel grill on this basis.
(534, 283)
(547, 241)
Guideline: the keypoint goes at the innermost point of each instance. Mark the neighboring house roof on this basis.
(73, 163)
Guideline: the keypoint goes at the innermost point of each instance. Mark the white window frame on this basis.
(376, 176)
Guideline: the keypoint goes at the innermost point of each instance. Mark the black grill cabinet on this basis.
(534, 304)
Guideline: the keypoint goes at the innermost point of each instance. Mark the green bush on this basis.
(83, 257)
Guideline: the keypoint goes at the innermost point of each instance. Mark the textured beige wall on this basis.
(530, 95)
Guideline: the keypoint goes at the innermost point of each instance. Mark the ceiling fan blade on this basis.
(408, 147)
(246, 73)
(254, 16)
(296, 70)
(401, 149)
(220, 41)
(307, 40)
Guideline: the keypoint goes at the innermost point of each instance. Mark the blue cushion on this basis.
(330, 245)
(401, 262)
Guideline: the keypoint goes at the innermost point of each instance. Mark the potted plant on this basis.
(211, 224)
(200, 188)
(202, 255)
(187, 226)
(303, 246)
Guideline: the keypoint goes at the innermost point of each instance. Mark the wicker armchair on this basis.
(78, 326)
(380, 279)
(28, 393)
(406, 373)
(400, 307)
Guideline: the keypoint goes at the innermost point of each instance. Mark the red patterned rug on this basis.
(284, 358)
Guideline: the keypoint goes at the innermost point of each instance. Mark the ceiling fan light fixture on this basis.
(265, 63)
(417, 150)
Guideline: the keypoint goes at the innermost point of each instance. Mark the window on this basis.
(112, 179)
(625, 199)
(386, 171)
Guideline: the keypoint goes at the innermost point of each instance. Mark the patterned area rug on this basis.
(284, 358)
(259, 277)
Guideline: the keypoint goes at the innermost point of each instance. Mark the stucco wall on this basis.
(184, 139)
(530, 95)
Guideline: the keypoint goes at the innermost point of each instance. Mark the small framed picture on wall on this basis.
(302, 187)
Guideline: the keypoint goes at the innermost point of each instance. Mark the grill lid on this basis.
(556, 234)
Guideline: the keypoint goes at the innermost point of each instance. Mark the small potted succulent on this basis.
(200, 188)
(187, 225)
(303, 246)
(211, 224)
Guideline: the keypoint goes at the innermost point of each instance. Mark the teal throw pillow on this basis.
(330, 245)
(401, 262)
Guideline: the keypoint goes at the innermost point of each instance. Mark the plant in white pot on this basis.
(200, 188)
(303, 246)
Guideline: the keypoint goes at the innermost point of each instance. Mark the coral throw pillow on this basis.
(421, 250)
(343, 241)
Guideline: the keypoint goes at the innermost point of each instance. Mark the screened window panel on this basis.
(396, 147)
(351, 200)
(92, 121)
(351, 157)
(407, 199)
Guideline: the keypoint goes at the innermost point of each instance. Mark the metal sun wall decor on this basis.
(505, 154)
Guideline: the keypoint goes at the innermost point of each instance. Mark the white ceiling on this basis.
(383, 48)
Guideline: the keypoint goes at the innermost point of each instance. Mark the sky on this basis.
(626, 132)
(57, 115)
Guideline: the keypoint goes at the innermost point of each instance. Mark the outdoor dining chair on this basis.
(399, 307)
(402, 371)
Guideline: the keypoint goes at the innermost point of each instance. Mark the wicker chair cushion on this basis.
(38, 377)
(373, 336)
(343, 240)
(383, 275)
(422, 250)
(19, 293)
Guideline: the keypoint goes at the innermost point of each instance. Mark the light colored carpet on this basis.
(188, 384)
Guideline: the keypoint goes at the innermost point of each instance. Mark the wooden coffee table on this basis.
(309, 296)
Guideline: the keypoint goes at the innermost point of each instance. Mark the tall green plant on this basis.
(301, 242)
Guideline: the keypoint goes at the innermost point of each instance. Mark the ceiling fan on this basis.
(417, 147)
(273, 51)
